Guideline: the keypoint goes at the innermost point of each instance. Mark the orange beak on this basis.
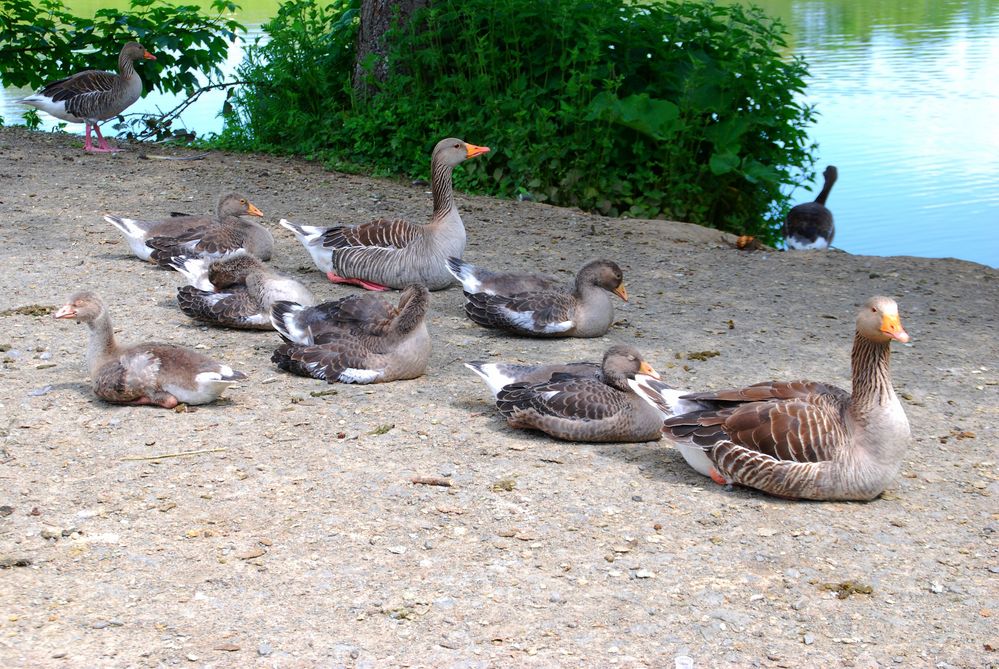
(892, 326)
(65, 311)
(148, 56)
(473, 150)
(646, 368)
(252, 210)
(622, 292)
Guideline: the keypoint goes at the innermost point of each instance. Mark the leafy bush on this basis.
(677, 110)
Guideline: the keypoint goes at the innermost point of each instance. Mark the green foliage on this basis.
(41, 41)
(675, 109)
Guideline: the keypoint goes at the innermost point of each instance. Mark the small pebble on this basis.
(643, 573)
(264, 649)
(808, 639)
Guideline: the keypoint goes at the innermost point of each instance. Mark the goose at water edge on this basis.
(386, 253)
(93, 96)
(803, 439)
(810, 225)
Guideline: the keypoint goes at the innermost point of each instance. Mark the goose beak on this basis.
(622, 292)
(65, 311)
(472, 150)
(148, 56)
(892, 326)
(252, 210)
(646, 368)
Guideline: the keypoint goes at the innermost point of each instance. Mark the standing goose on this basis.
(808, 440)
(367, 351)
(148, 373)
(227, 233)
(582, 408)
(235, 291)
(138, 232)
(93, 96)
(581, 310)
(810, 225)
(386, 253)
(475, 279)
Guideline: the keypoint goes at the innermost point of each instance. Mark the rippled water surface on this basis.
(907, 94)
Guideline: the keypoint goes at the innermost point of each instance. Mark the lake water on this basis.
(906, 93)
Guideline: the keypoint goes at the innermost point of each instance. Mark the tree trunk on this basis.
(377, 17)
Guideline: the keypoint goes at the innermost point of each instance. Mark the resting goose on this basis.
(227, 233)
(802, 439)
(582, 408)
(475, 279)
(810, 225)
(235, 291)
(500, 374)
(93, 96)
(386, 253)
(377, 345)
(148, 373)
(581, 310)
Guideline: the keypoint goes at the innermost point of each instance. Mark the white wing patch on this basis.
(355, 375)
(525, 320)
(820, 244)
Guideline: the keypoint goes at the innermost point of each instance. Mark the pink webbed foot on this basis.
(367, 285)
(716, 477)
(102, 144)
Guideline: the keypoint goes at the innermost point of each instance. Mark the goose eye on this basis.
(457, 146)
(874, 310)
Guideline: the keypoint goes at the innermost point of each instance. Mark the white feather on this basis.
(134, 233)
(493, 376)
(311, 237)
(820, 244)
(354, 375)
(525, 319)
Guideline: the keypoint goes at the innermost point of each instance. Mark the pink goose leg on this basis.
(102, 144)
(87, 146)
(367, 285)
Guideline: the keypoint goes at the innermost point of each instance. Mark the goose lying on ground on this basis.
(362, 343)
(803, 439)
(93, 96)
(237, 290)
(386, 253)
(810, 225)
(582, 408)
(147, 373)
(476, 279)
(227, 233)
(583, 309)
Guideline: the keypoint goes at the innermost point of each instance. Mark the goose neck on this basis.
(872, 387)
(442, 187)
(102, 344)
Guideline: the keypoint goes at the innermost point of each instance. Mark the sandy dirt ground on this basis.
(296, 537)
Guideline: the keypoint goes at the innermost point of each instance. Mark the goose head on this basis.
(830, 174)
(604, 274)
(622, 362)
(135, 51)
(234, 205)
(233, 268)
(878, 321)
(453, 151)
(83, 307)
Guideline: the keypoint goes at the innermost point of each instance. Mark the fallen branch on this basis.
(175, 455)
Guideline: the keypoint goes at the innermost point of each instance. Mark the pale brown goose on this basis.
(227, 233)
(810, 225)
(583, 309)
(476, 279)
(236, 291)
(93, 96)
(386, 253)
(581, 408)
(148, 373)
(375, 350)
(803, 439)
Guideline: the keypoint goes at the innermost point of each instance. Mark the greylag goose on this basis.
(581, 310)
(475, 279)
(500, 374)
(369, 349)
(810, 225)
(235, 291)
(386, 253)
(802, 439)
(227, 233)
(582, 408)
(93, 96)
(148, 373)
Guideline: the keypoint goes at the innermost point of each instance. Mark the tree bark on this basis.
(377, 18)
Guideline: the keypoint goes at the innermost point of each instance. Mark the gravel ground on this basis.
(296, 537)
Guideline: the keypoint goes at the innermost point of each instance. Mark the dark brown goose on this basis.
(148, 373)
(581, 408)
(803, 439)
(810, 225)
(363, 344)
(236, 291)
(386, 253)
(583, 309)
(93, 96)
(227, 233)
